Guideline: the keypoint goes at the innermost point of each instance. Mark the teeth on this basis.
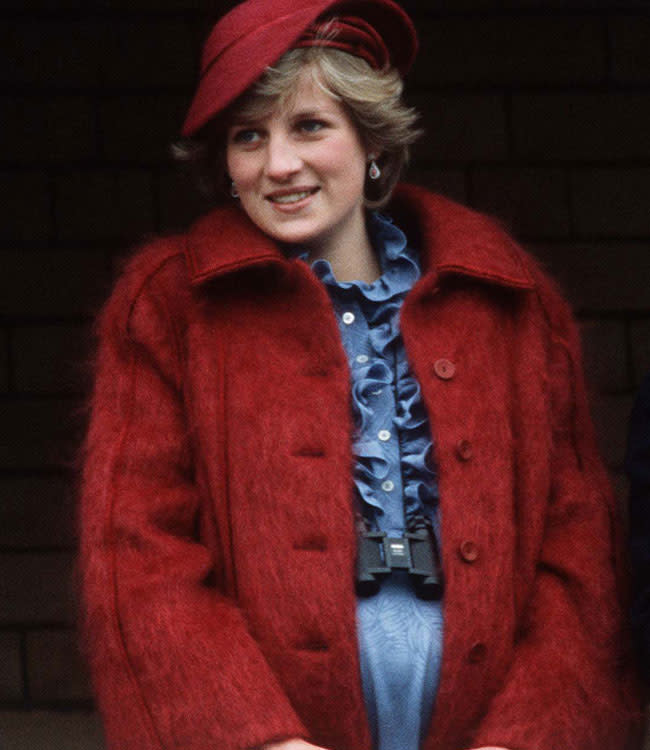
(291, 197)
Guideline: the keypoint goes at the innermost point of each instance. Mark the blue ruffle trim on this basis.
(400, 271)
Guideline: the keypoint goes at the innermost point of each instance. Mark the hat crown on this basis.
(256, 33)
(250, 16)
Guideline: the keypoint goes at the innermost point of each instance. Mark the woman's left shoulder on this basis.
(463, 235)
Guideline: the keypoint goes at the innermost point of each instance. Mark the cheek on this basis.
(348, 162)
(239, 167)
(229, 162)
(351, 178)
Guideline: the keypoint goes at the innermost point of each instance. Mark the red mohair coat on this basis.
(218, 545)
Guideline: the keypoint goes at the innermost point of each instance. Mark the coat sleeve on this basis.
(570, 685)
(172, 662)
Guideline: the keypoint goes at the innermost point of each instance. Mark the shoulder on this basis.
(160, 260)
(154, 271)
(164, 267)
(464, 241)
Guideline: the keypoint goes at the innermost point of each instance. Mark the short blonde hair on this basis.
(372, 98)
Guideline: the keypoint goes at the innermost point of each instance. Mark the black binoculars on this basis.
(416, 552)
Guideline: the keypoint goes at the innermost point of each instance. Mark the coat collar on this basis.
(226, 240)
(451, 239)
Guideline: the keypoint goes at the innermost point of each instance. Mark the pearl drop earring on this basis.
(233, 189)
(373, 171)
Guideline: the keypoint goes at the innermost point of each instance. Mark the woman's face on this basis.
(300, 170)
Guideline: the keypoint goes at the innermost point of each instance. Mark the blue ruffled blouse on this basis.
(400, 636)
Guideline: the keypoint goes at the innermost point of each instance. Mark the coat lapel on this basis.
(226, 240)
(456, 240)
(452, 239)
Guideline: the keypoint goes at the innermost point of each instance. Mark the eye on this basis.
(245, 136)
(311, 126)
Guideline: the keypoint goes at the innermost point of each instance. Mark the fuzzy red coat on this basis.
(217, 522)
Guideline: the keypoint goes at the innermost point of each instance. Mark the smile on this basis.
(286, 198)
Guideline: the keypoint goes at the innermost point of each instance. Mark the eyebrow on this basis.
(251, 121)
(311, 112)
(244, 121)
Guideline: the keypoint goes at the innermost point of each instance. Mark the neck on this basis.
(351, 256)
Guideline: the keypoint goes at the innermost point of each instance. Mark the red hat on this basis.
(256, 33)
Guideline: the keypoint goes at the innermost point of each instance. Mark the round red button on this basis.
(444, 369)
(469, 551)
(464, 450)
(477, 652)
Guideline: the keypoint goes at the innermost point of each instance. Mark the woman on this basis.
(300, 395)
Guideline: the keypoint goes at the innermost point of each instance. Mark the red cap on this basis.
(256, 33)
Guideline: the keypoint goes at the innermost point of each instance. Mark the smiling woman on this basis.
(341, 489)
(300, 172)
(371, 97)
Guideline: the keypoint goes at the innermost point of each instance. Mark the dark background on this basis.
(536, 111)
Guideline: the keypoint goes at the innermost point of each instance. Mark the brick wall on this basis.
(536, 111)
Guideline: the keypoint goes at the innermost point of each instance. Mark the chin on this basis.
(295, 236)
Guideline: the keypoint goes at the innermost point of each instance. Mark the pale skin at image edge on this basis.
(299, 174)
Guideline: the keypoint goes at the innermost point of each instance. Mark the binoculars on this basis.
(415, 552)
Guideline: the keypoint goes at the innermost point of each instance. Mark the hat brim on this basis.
(244, 60)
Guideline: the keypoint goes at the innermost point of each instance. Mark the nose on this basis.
(282, 157)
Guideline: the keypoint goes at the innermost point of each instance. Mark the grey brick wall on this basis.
(536, 111)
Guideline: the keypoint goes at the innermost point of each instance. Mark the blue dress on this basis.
(400, 635)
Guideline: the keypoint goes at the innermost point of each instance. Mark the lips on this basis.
(293, 195)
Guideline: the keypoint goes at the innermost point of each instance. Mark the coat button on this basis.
(468, 551)
(464, 450)
(444, 369)
(477, 652)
